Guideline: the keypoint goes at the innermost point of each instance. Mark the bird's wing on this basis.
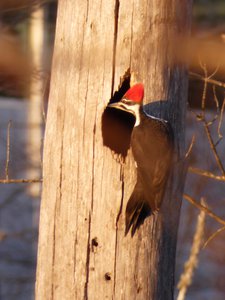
(153, 161)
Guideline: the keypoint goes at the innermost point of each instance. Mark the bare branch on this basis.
(5, 181)
(8, 151)
(206, 174)
(203, 66)
(213, 236)
(202, 118)
(215, 117)
(204, 208)
(202, 78)
(191, 264)
(220, 123)
(213, 147)
(214, 72)
(190, 147)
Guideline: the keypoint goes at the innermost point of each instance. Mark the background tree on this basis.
(83, 252)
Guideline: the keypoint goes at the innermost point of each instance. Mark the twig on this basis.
(190, 147)
(203, 66)
(206, 78)
(191, 264)
(213, 147)
(8, 151)
(206, 173)
(212, 81)
(202, 118)
(213, 236)
(205, 209)
(209, 123)
(5, 181)
(214, 72)
(220, 122)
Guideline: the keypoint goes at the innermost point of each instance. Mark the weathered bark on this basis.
(83, 253)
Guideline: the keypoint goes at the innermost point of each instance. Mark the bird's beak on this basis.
(115, 104)
(122, 106)
(118, 105)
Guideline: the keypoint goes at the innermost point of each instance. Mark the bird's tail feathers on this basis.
(136, 211)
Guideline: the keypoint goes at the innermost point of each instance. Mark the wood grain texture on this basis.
(82, 252)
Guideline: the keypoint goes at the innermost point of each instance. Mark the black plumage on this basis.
(152, 148)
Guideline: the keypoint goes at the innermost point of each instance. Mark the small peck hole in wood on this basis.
(107, 276)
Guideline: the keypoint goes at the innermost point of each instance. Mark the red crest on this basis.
(135, 93)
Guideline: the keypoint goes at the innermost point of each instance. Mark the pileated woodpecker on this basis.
(152, 148)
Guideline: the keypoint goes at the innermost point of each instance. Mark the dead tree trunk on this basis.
(83, 253)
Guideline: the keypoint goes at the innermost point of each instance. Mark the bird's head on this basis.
(131, 101)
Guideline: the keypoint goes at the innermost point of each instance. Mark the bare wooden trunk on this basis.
(83, 253)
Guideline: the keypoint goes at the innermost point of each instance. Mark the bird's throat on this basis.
(137, 114)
